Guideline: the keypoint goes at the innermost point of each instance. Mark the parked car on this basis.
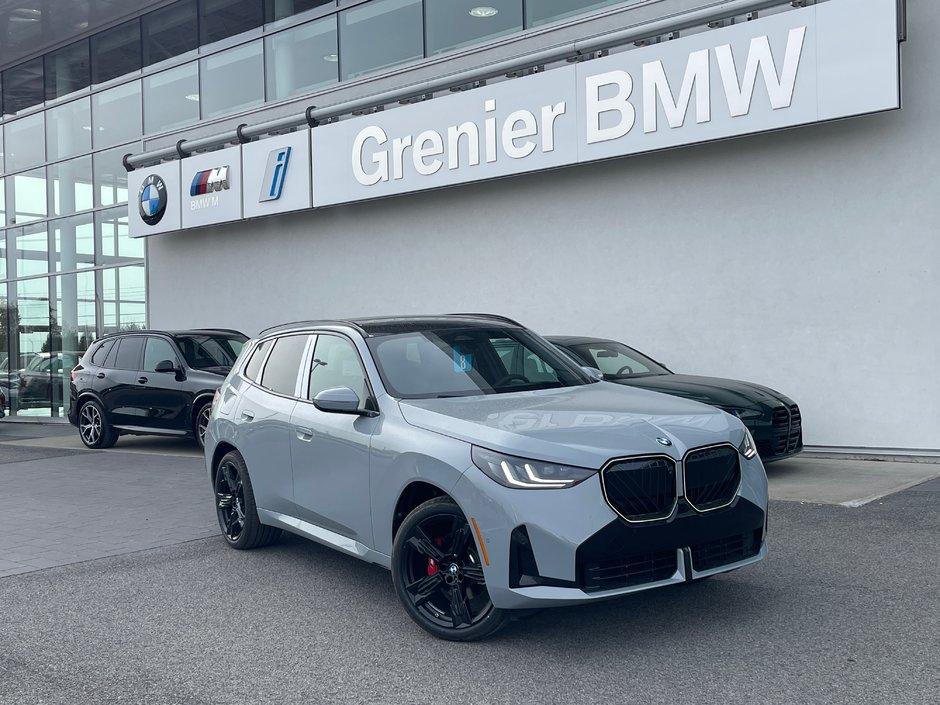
(486, 481)
(772, 418)
(150, 382)
(41, 381)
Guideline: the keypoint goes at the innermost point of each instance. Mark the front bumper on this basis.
(561, 547)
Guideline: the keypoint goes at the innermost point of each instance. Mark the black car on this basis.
(150, 382)
(773, 419)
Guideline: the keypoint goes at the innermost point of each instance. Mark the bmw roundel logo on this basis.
(151, 200)
(663, 441)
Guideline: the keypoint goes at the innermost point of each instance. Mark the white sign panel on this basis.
(210, 187)
(831, 60)
(153, 204)
(276, 174)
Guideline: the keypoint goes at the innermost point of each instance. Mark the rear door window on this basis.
(280, 371)
(129, 353)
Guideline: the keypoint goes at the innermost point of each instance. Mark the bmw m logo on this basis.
(151, 200)
(663, 441)
(209, 180)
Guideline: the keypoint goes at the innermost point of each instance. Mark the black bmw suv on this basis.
(150, 382)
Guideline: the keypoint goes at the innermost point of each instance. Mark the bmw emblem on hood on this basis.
(663, 441)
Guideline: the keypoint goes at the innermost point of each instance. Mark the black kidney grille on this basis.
(643, 489)
(628, 571)
(712, 476)
(725, 551)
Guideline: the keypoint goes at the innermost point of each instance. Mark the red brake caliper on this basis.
(432, 564)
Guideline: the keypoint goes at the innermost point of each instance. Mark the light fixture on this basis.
(332, 58)
(483, 11)
(193, 97)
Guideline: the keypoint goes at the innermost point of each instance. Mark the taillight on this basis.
(75, 371)
(215, 397)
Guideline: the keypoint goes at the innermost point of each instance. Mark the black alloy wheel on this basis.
(201, 423)
(235, 506)
(438, 574)
(93, 427)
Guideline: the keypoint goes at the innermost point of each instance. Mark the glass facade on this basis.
(69, 272)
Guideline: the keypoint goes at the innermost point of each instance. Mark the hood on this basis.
(584, 426)
(709, 390)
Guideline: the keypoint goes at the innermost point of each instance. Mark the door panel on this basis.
(162, 393)
(119, 384)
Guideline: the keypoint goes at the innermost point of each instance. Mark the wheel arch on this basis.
(220, 451)
(88, 395)
(414, 494)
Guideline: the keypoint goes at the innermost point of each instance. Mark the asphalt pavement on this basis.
(845, 609)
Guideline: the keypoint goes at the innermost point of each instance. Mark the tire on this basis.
(93, 427)
(448, 602)
(200, 421)
(235, 506)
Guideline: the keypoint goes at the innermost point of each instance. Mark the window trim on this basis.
(267, 357)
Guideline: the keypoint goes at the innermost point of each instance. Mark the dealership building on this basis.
(738, 188)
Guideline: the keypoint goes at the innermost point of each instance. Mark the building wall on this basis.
(804, 260)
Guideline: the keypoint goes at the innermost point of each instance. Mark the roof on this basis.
(194, 331)
(391, 325)
(576, 339)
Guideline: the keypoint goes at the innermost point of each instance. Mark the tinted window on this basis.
(101, 354)
(158, 350)
(336, 363)
(23, 87)
(220, 19)
(67, 70)
(170, 32)
(257, 357)
(280, 372)
(115, 52)
(470, 361)
(128, 355)
(205, 351)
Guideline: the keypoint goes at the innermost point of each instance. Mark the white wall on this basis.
(805, 260)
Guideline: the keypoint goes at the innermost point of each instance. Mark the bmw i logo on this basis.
(663, 441)
(151, 200)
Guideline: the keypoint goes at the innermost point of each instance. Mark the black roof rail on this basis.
(320, 322)
(494, 316)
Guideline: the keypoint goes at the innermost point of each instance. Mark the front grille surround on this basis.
(731, 496)
(664, 512)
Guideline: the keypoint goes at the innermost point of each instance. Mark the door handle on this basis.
(304, 434)
(248, 415)
(101, 375)
(142, 380)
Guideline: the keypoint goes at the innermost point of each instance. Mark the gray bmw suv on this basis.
(480, 465)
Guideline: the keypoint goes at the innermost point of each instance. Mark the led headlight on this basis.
(520, 473)
(748, 447)
(742, 413)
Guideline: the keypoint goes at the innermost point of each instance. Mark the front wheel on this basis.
(438, 575)
(201, 423)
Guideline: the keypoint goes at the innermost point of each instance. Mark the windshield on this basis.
(454, 362)
(205, 351)
(616, 360)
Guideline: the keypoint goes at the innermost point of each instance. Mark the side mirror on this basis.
(338, 400)
(165, 366)
(593, 373)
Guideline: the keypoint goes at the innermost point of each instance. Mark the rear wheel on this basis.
(438, 575)
(235, 506)
(93, 427)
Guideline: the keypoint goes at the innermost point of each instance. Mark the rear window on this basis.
(280, 371)
(129, 354)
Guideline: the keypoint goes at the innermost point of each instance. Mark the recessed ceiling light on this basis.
(193, 97)
(332, 58)
(483, 11)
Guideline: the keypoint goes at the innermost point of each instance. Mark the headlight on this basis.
(520, 473)
(748, 447)
(742, 413)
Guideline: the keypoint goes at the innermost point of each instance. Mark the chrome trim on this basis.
(737, 489)
(675, 501)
